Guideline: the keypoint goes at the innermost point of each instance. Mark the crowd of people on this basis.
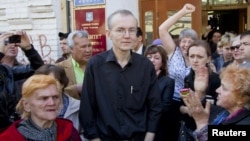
(131, 92)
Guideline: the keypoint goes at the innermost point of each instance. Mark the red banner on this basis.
(92, 20)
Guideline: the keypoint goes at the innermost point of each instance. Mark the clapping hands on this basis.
(193, 100)
(201, 79)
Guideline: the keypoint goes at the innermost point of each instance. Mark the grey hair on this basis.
(77, 33)
(122, 12)
(188, 33)
(236, 38)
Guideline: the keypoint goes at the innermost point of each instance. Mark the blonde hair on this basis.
(33, 83)
(219, 44)
(239, 76)
(227, 39)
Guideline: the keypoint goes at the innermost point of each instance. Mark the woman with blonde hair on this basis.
(39, 108)
(226, 57)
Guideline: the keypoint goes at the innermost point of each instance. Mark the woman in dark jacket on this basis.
(9, 89)
(158, 57)
(199, 55)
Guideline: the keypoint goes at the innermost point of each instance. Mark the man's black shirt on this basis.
(116, 102)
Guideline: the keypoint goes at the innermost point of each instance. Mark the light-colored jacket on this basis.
(72, 113)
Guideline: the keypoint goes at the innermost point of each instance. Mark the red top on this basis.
(65, 132)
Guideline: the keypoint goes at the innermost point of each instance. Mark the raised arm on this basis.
(167, 41)
(35, 60)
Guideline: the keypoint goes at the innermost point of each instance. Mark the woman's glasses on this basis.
(234, 47)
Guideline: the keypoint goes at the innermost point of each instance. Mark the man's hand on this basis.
(25, 42)
(79, 89)
(149, 136)
(3, 37)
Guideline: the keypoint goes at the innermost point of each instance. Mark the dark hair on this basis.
(211, 34)
(245, 33)
(58, 72)
(63, 35)
(139, 32)
(205, 45)
(152, 49)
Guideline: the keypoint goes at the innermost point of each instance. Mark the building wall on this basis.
(43, 19)
(40, 19)
(131, 5)
(110, 7)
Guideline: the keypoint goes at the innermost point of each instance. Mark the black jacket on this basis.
(213, 83)
(10, 92)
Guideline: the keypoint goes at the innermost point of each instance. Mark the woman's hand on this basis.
(201, 79)
(196, 110)
(184, 110)
(188, 8)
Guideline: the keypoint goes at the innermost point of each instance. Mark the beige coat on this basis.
(71, 88)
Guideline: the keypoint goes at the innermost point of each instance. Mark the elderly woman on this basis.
(233, 96)
(39, 108)
(70, 105)
(178, 63)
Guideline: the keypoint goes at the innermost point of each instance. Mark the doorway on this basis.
(154, 12)
(228, 20)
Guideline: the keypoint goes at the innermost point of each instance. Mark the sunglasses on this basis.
(235, 47)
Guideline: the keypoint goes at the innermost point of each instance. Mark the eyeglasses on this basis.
(122, 31)
(234, 47)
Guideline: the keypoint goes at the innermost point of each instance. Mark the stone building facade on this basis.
(43, 19)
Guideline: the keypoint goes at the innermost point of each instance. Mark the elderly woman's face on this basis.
(225, 96)
(44, 104)
(184, 44)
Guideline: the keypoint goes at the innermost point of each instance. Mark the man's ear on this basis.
(140, 38)
(71, 49)
(108, 34)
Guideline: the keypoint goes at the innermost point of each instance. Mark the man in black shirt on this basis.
(120, 98)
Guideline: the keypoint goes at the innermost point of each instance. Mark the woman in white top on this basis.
(178, 64)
